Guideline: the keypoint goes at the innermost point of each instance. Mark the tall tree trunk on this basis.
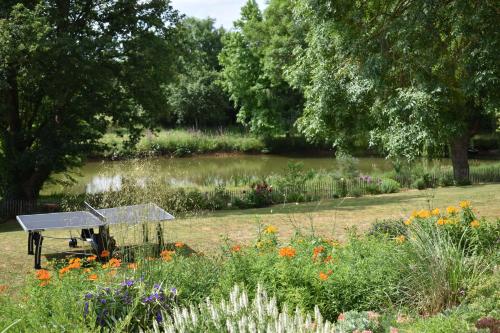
(459, 158)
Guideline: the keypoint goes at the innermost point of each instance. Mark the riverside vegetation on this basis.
(296, 184)
(435, 271)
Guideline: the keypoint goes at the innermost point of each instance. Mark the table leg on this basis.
(38, 239)
(30, 242)
(159, 234)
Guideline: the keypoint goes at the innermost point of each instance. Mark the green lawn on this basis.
(204, 232)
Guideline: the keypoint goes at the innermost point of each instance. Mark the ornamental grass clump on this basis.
(441, 269)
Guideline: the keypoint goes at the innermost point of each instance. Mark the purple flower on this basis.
(88, 296)
(128, 283)
(173, 291)
(103, 301)
(159, 317)
(85, 310)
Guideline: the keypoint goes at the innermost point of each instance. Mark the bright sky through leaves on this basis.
(224, 11)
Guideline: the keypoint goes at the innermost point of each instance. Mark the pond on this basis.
(234, 170)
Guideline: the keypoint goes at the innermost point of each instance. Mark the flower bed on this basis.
(434, 263)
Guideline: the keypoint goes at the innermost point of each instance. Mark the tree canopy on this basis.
(70, 69)
(254, 57)
(415, 73)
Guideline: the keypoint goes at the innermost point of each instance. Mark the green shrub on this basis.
(389, 186)
(390, 228)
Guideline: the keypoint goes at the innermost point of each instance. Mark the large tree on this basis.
(254, 57)
(70, 69)
(196, 97)
(417, 73)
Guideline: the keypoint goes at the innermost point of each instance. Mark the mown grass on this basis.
(205, 232)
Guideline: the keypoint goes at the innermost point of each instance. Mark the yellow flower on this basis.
(409, 221)
(441, 221)
(464, 204)
(271, 229)
(400, 239)
(451, 210)
(475, 224)
(423, 214)
(435, 212)
(414, 213)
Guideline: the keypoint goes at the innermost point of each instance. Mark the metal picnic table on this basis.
(86, 220)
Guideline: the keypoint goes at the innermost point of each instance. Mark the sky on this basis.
(223, 11)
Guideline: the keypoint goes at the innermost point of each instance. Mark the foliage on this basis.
(415, 86)
(447, 256)
(252, 60)
(389, 228)
(70, 70)
(196, 97)
(130, 304)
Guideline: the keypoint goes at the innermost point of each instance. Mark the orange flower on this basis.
(115, 263)
(323, 276)
(3, 288)
(74, 260)
(441, 221)
(92, 277)
(475, 224)
(317, 250)
(87, 270)
(43, 274)
(91, 258)
(236, 248)
(44, 283)
(132, 265)
(75, 265)
(64, 270)
(179, 244)
(287, 251)
(166, 255)
(328, 259)
(104, 254)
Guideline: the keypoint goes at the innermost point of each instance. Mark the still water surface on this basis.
(207, 170)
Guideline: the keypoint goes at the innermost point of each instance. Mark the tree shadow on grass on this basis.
(10, 226)
(342, 204)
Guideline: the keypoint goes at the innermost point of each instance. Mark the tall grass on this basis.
(441, 271)
(183, 142)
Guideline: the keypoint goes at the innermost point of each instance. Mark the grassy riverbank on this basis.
(184, 142)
